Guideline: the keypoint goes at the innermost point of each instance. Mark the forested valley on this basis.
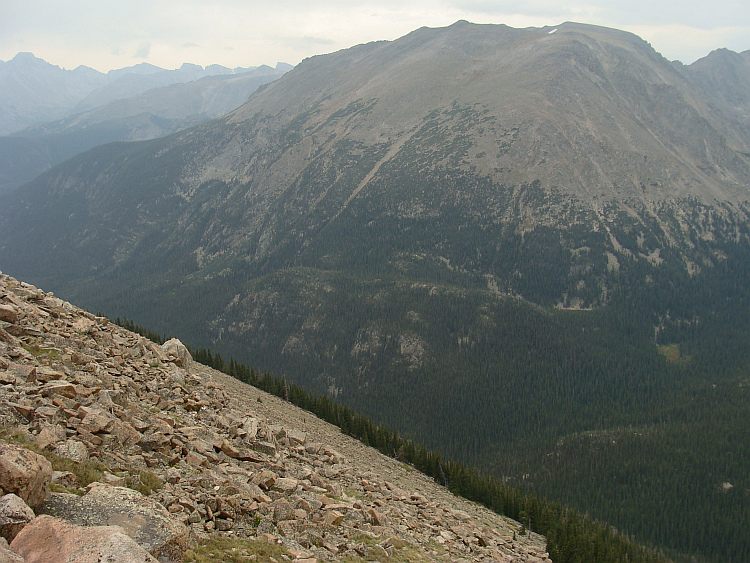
(634, 413)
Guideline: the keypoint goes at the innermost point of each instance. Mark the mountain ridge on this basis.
(37, 91)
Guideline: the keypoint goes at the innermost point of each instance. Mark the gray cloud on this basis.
(105, 35)
(307, 43)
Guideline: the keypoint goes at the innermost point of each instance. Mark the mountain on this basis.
(34, 91)
(150, 114)
(724, 77)
(527, 248)
(124, 84)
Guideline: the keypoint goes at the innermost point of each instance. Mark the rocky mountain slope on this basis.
(217, 457)
(540, 163)
(724, 77)
(506, 131)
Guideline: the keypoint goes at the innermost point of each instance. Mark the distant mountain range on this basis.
(35, 91)
(528, 248)
(49, 114)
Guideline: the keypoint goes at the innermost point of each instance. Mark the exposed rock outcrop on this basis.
(142, 518)
(178, 353)
(51, 540)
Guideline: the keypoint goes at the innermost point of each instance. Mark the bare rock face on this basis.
(14, 515)
(24, 473)
(51, 540)
(140, 517)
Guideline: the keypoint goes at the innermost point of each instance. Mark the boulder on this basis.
(84, 325)
(8, 338)
(65, 479)
(286, 485)
(142, 518)
(24, 473)
(97, 420)
(52, 540)
(63, 388)
(296, 437)
(50, 434)
(377, 518)
(22, 371)
(126, 434)
(250, 427)
(264, 479)
(6, 555)
(73, 449)
(155, 349)
(282, 510)
(8, 314)
(264, 447)
(181, 354)
(333, 518)
(14, 515)
(229, 449)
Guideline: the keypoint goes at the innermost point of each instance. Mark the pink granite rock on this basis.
(24, 473)
(51, 540)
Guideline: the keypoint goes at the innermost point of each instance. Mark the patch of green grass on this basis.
(358, 537)
(406, 554)
(42, 352)
(351, 492)
(55, 488)
(86, 471)
(146, 483)
(15, 436)
(234, 550)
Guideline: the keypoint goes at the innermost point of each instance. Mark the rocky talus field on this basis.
(117, 449)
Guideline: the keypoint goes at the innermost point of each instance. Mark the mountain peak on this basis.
(29, 60)
(26, 57)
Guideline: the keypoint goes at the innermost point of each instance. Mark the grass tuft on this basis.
(235, 550)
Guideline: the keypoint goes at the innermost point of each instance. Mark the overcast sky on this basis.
(109, 34)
